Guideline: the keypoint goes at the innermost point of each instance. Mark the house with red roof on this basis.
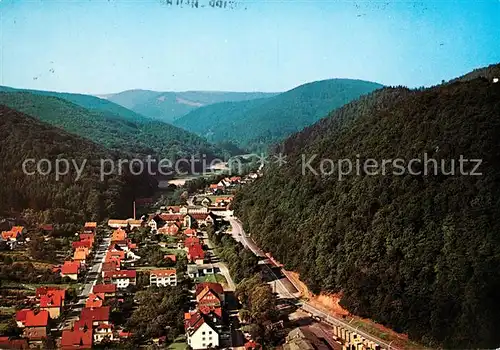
(53, 302)
(122, 278)
(196, 254)
(44, 290)
(14, 235)
(109, 290)
(21, 317)
(19, 230)
(76, 339)
(35, 324)
(214, 188)
(190, 232)
(86, 243)
(201, 218)
(80, 254)
(90, 227)
(209, 294)
(163, 277)
(36, 319)
(169, 229)
(112, 265)
(173, 209)
(114, 254)
(172, 218)
(189, 241)
(207, 310)
(251, 345)
(202, 331)
(87, 237)
(95, 300)
(235, 179)
(95, 315)
(71, 269)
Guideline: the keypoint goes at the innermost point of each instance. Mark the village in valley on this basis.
(181, 276)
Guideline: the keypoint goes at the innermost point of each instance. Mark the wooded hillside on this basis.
(66, 200)
(419, 253)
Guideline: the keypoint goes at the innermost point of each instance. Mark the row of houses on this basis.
(81, 251)
(224, 184)
(94, 324)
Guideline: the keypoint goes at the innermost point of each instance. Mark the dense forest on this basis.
(256, 124)
(65, 200)
(168, 106)
(114, 131)
(419, 253)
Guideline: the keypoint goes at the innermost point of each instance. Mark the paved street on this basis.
(94, 270)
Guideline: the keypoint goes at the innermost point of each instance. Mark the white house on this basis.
(201, 331)
(122, 278)
(163, 277)
(196, 271)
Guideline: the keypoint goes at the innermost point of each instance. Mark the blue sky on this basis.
(109, 46)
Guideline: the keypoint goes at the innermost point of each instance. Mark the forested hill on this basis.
(102, 106)
(419, 253)
(66, 200)
(141, 135)
(168, 106)
(258, 123)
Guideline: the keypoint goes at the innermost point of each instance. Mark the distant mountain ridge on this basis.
(108, 124)
(257, 123)
(168, 106)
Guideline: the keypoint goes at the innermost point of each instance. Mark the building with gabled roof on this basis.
(71, 269)
(95, 300)
(109, 290)
(96, 315)
(202, 331)
(189, 241)
(196, 254)
(30, 318)
(86, 243)
(21, 317)
(122, 278)
(169, 229)
(76, 339)
(163, 277)
(53, 302)
(80, 254)
(210, 294)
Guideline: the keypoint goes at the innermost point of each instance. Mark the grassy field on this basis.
(178, 252)
(178, 346)
(217, 278)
